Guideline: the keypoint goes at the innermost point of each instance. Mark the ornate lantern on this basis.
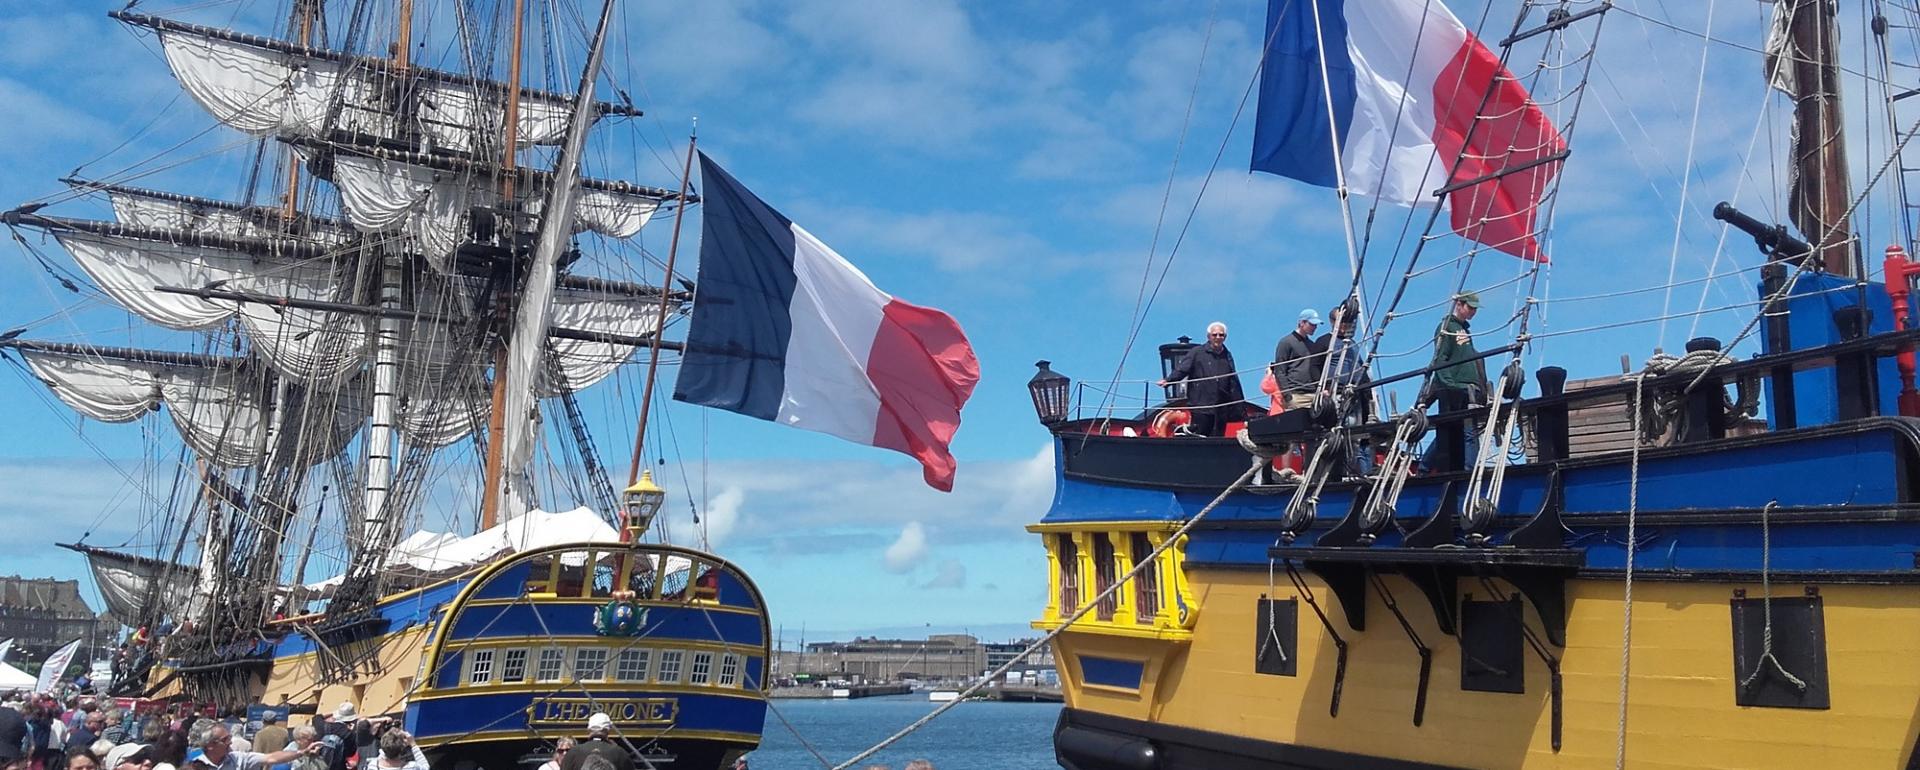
(1049, 391)
(643, 501)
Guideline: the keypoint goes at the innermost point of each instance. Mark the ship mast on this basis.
(517, 410)
(496, 415)
(660, 322)
(1818, 198)
(386, 360)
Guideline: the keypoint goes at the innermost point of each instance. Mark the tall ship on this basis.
(1706, 561)
(365, 351)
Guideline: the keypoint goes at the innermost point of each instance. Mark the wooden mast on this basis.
(1819, 197)
(303, 34)
(496, 414)
(660, 319)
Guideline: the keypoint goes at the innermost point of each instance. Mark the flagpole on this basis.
(660, 319)
(1340, 175)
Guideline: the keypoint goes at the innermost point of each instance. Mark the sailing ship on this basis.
(1624, 571)
(425, 279)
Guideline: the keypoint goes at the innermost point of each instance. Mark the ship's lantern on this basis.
(1049, 390)
(643, 501)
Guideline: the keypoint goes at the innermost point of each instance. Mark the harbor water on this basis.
(975, 734)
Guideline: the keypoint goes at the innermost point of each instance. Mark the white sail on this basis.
(431, 205)
(585, 362)
(267, 92)
(158, 213)
(218, 410)
(311, 346)
(128, 581)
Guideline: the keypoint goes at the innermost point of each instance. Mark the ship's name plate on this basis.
(572, 712)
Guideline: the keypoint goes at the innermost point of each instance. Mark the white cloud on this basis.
(952, 574)
(907, 550)
(723, 514)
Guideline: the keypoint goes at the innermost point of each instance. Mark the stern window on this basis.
(480, 667)
(729, 670)
(1103, 576)
(590, 664)
(1069, 574)
(551, 660)
(514, 669)
(1146, 584)
(702, 671)
(670, 666)
(633, 665)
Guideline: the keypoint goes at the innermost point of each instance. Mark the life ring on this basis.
(1167, 421)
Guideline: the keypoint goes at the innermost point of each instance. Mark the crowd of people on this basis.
(40, 732)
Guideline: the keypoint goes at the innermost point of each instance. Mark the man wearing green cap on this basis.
(1459, 379)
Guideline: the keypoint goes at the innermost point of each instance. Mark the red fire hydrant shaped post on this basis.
(1899, 273)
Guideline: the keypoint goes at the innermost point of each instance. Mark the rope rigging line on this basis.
(1680, 214)
(1066, 623)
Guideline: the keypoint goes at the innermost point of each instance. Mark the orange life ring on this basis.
(1167, 421)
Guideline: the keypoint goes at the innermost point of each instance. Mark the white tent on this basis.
(433, 552)
(13, 678)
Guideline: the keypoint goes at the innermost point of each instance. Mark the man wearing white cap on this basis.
(597, 745)
(1295, 366)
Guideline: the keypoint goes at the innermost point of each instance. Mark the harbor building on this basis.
(940, 657)
(40, 614)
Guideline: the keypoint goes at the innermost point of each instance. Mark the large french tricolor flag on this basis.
(1403, 82)
(785, 329)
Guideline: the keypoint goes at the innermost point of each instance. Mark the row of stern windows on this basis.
(635, 665)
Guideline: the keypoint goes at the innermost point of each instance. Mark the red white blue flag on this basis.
(785, 329)
(1403, 82)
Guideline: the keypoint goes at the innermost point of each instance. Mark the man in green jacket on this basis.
(1458, 381)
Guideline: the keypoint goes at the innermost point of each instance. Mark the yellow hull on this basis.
(1681, 699)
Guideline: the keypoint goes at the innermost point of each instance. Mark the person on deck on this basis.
(1213, 383)
(1295, 367)
(596, 745)
(1458, 378)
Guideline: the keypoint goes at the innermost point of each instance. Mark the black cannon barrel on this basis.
(1771, 238)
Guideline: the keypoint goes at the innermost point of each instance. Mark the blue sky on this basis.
(1025, 167)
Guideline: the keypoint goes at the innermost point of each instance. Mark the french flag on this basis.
(785, 329)
(1403, 82)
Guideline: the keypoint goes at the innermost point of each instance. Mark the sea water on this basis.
(976, 735)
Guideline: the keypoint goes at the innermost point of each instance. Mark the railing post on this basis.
(1550, 426)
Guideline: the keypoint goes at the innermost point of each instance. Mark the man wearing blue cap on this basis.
(1296, 367)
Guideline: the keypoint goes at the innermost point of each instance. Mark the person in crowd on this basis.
(918, 764)
(13, 732)
(272, 736)
(1458, 378)
(339, 727)
(305, 739)
(116, 726)
(41, 746)
(366, 735)
(92, 722)
(82, 759)
(597, 746)
(1213, 382)
(398, 752)
(1295, 367)
(560, 749)
(216, 747)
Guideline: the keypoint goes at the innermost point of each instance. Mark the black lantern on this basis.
(1049, 390)
(1170, 355)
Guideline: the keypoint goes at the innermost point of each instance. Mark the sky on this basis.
(1068, 180)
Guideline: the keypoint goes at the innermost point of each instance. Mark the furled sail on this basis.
(155, 209)
(218, 407)
(128, 581)
(585, 362)
(270, 87)
(430, 199)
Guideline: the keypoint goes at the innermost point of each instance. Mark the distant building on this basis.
(951, 657)
(41, 614)
(1035, 667)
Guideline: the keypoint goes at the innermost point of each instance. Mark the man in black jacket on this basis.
(1297, 363)
(13, 731)
(597, 745)
(1213, 383)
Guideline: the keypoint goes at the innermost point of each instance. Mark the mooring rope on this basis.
(1151, 559)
